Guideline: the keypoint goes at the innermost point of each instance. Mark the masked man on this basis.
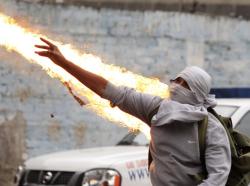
(174, 142)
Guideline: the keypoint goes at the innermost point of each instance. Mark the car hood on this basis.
(85, 159)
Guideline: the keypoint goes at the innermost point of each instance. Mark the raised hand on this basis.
(93, 81)
(52, 52)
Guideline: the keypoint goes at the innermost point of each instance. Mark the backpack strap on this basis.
(202, 130)
(227, 124)
(244, 180)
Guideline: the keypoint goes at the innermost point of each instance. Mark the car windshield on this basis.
(226, 110)
(140, 139)
(134, 139)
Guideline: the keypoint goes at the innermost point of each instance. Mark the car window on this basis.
(225, 110)
(137, 138)
(244, 124)
(141, 139)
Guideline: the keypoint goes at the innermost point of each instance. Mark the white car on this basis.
(121, 165)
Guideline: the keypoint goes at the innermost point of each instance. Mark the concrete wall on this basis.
(152, 43)
(37, 116)
(138, 40)
(232, 8)
(12, 142)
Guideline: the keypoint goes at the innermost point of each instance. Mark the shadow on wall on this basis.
(12, 143)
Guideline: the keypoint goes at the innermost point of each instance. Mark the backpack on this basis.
(240, 151)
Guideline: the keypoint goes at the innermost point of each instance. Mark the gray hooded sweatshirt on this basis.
(174, 142)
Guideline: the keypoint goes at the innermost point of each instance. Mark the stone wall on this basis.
(152, 43)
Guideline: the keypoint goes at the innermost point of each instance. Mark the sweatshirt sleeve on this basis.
(135, 103)
(217, 155)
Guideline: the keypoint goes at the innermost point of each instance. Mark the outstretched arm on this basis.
(92, 81)
(127, 99)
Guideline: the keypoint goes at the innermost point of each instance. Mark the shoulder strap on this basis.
(226, 122)
(212, 111)
(202, 130)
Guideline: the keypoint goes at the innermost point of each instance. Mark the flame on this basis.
(16, 38)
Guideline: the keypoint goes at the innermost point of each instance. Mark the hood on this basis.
(200, 83)
(85, 159)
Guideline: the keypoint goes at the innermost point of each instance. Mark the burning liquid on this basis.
(16, 38)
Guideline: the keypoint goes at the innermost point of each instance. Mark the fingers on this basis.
(43, 53)
(43, 47)
(47, 42)
(50, 50)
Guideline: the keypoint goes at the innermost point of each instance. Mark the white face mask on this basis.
(182, 95)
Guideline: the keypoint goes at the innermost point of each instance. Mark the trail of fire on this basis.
(16, 38)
